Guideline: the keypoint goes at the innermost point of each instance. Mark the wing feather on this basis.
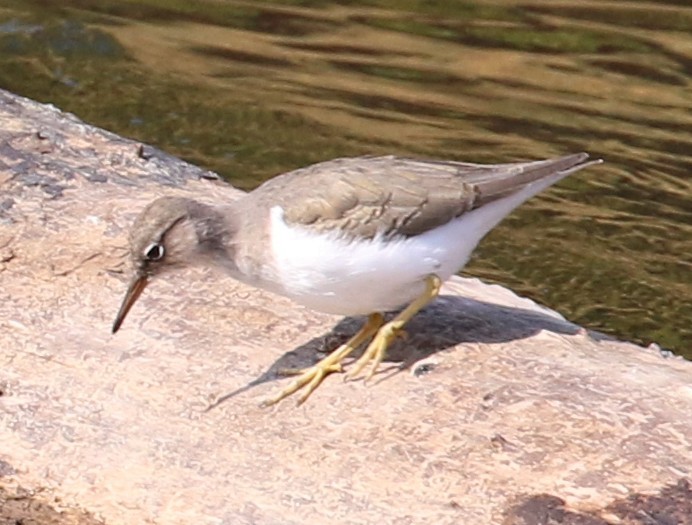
(369, 196)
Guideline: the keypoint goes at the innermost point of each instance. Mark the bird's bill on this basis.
(133, 292)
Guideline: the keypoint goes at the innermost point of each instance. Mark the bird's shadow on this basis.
(448, 321)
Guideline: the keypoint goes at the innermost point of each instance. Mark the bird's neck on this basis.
(215, 229)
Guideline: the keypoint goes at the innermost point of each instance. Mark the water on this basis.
(251, 89)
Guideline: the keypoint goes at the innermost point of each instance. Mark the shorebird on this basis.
(350, 236)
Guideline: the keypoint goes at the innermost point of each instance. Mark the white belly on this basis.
(332, 274)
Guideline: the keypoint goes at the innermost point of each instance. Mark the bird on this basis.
(351, 236)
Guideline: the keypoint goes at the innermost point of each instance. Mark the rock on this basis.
(495, 410)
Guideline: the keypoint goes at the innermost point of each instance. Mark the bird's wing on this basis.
(368, 196)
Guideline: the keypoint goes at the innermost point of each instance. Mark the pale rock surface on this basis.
(495, 410)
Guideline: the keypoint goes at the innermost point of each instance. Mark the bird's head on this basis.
(171, 232)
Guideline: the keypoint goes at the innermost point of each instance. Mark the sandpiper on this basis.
(350, 236)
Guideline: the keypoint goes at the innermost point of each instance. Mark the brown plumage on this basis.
(364, 196)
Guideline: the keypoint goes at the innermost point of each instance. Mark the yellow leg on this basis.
(376, 350)
(310, 378)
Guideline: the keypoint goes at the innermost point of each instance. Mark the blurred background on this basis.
(250, 89)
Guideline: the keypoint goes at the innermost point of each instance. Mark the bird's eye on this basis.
(154, 252)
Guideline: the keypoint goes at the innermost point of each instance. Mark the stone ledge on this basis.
(495, 410)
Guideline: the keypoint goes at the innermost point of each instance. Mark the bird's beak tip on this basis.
(137, 285)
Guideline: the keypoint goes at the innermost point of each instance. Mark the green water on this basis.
(251, 89)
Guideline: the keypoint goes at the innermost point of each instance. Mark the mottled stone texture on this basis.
(494, 410)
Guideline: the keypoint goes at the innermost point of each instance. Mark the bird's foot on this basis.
(376, 350)
(310, 378)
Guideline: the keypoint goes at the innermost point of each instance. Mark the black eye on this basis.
(154, 252)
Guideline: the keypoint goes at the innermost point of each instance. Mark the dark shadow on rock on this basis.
(6, 469)
(544, 509)
(19, 506)
(449, 321)
(671, 505)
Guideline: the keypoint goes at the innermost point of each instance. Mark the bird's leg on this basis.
(310, 378)
(377, 348)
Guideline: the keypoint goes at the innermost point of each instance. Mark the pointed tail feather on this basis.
(506, 179)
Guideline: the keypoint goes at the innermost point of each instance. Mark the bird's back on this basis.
(366, 196)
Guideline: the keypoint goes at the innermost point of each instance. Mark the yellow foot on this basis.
(310, 378)
(377, 349)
